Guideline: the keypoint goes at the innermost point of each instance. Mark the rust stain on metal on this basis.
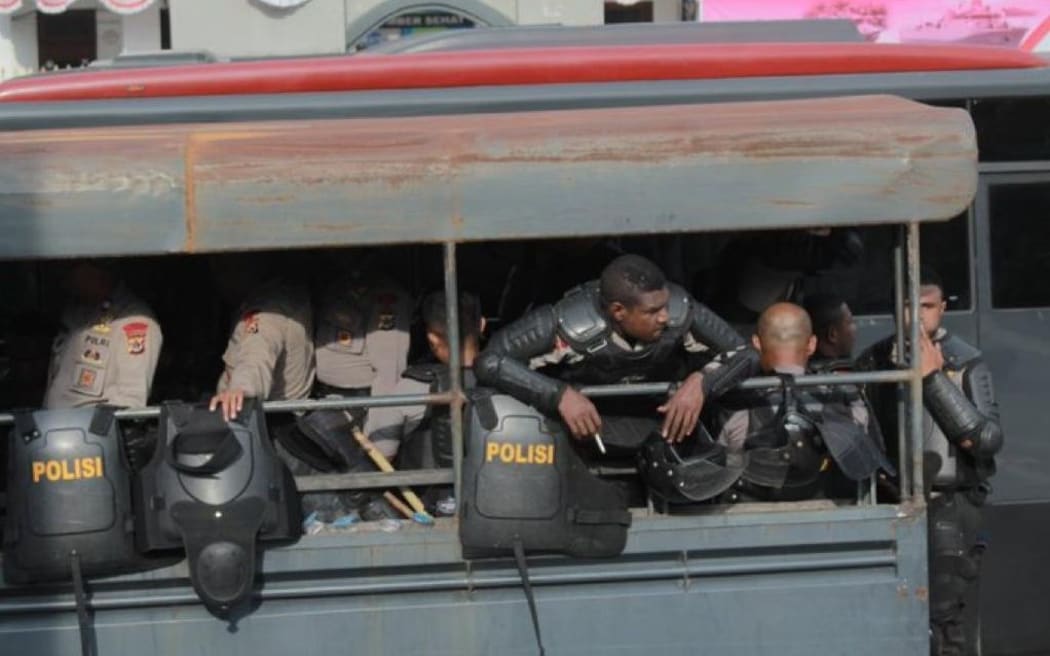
(189, 158)
(922, 593)
(902, 591)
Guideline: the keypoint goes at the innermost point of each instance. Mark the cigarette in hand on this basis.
(598, 441)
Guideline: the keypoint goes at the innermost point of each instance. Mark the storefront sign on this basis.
(53, 6)
(58, 6)
(126, 6)
(10, 6)
(1009, 23)
(284, 4)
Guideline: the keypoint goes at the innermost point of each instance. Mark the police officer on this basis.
(629, 326)
(270, 354)
(961, 437)
(793, 437)
(362, 335)
(108, 346)
(835, 330)
(425, 430)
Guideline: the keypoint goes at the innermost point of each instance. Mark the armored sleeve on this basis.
(504, 362)
(712, 331)
(136, 362)
(256, 358)
(969, 417)
(728, 369)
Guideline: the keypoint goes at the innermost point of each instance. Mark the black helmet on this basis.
(687, 478)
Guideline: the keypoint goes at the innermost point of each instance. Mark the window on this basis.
(628, 12)
(1019, 215)
(1012, 129)
(944, 247)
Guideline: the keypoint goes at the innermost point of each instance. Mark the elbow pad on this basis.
(737, 366)
(712, 331)
(959, 417)
(504, 362)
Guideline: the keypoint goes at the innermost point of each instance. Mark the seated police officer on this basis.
(270, 353)
(108, 346)
(629, 326)
(792, 437)
(106, 352)
(961, 437)
(835, 330)
(423, 433)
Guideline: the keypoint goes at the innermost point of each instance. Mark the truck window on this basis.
(1011, 129)
(945, 247)
(1020, 244)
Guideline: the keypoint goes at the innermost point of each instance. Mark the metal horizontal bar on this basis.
(471, 581)
(302, 404)
(762, 382)
(369, 480)
(597, 391)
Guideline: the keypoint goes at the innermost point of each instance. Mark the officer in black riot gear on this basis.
(835, 330)
(796, 441)
(420, 435)
(629, 326)
(962, 434)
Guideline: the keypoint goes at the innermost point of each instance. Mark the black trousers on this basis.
(956, 547)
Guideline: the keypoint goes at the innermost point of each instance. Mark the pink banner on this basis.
(58, 6)
(126, 6)
(1009, 23)
(53, 6)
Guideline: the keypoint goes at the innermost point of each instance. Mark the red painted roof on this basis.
(512, 66)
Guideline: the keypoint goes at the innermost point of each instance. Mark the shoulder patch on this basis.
(135, 337)
(250, 319)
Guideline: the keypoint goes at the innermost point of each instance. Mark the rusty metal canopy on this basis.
(298, 184)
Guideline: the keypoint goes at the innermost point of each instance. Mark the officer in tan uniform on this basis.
(108, 347)
(362, 335)
(361, 346)
(270, 355)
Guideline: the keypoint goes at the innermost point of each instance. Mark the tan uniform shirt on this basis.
(362, 334)
(104, 354)
(386, 427)
(270, 354)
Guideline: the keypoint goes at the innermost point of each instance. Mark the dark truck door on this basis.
(1013, 278)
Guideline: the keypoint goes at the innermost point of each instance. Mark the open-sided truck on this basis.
(787, 578)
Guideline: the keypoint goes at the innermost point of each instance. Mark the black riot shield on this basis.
(522, 482)
(68, 493)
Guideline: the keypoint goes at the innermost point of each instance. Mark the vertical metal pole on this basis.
(455, 365)
(915, 386)
(899, 291)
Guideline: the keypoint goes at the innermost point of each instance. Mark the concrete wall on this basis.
(18, 52)
(244, 28)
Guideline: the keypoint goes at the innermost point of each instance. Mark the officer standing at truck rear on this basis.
(961, 434)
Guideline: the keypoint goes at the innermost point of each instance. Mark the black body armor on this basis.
(524, 484)
(579, 321)
(794, 435)
(215, 488)
(68, 492)
(961, 425)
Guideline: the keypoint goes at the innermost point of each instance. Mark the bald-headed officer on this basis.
(793, 437)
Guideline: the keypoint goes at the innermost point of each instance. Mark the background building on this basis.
(36, 34)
